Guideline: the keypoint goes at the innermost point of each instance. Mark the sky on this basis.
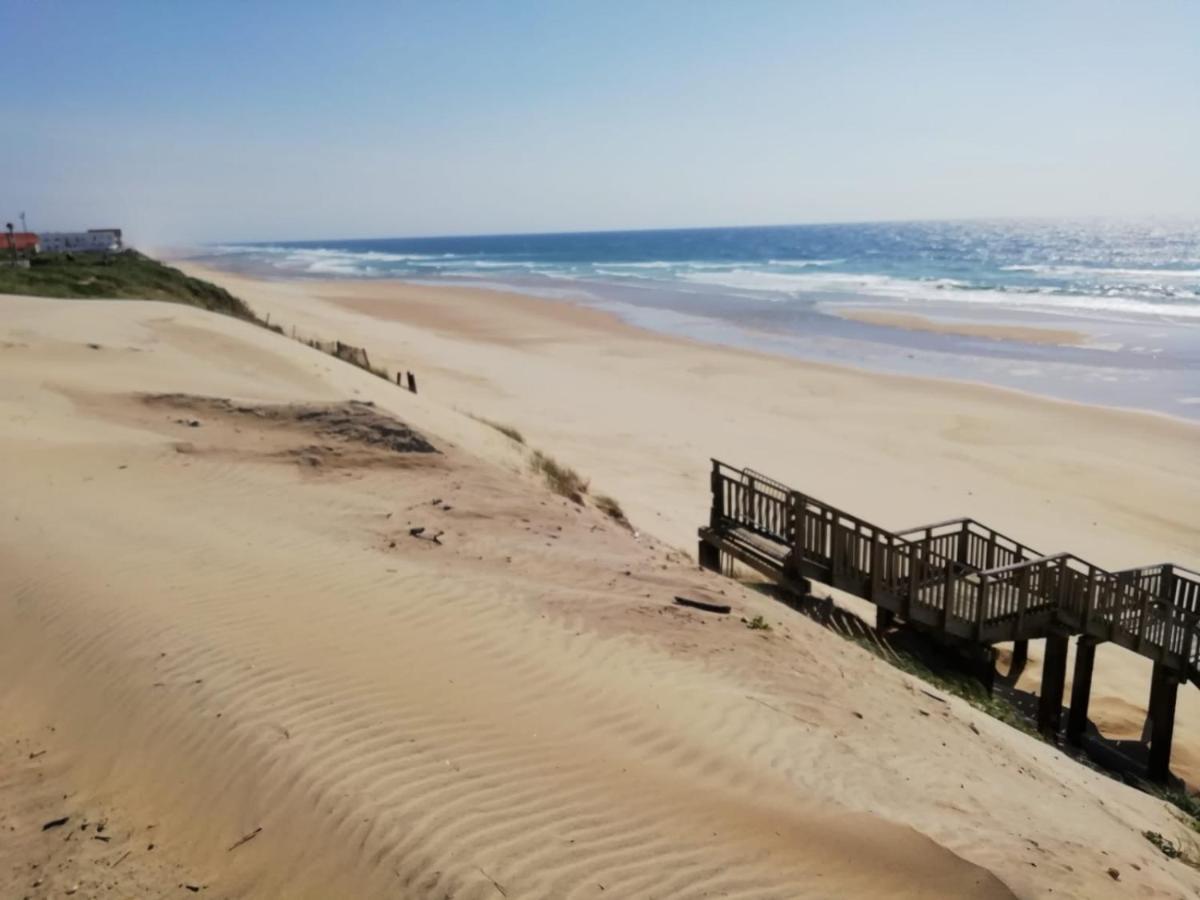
(213, 121)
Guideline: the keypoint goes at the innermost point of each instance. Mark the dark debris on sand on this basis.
(354, 421)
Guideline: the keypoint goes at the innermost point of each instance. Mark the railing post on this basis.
(963, 543)
(800, 510)
(1022, 598)
(981, 598)
(913, 565)
(1168, 630)
(1143, 621)
(1089, 599)
(1166, 585)
(1065, 574)
(947, 591)
(717, 513)
(876, 558)
(753, 504)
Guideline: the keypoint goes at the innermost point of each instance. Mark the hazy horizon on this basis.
(1165, 219)
(282, 122)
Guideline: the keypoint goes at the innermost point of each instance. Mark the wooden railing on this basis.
(1175, 620)
(970, 579)
(972, 543)
(751, 501)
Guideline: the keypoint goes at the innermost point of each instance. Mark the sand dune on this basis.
(229, 626)
(641, 414)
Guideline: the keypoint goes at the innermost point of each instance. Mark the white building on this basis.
(94, 240)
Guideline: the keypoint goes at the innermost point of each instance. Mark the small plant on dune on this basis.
(507, 430)
(611, 508)
(1172, 850)
(758, 623)
(1169, 849)
(563, 480)
(1188, 804)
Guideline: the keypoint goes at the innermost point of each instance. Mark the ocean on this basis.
(1130, 290)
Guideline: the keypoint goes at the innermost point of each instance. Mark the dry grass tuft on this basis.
(611, 508)
(507, 430)
(562, 479)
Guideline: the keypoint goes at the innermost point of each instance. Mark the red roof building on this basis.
(21, 241)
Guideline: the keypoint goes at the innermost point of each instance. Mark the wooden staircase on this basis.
(968, 581)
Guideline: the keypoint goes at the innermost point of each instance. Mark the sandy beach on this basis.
(1059, 337)
(218, 627)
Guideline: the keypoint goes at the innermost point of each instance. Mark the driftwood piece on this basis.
(702, 605)
(244, 838)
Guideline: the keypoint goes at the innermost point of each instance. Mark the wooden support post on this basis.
(1163, 688)
(412, 382)
(981, 604)
(1054, 677)
(400, 379)
(1081, 689)
(1020, 655)
(884, 619)
(985, 667)
(709, 556)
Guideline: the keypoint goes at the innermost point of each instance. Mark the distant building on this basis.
(115, 232)
(95, 240)
(24, 242)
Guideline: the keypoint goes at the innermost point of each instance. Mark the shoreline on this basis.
(1131, 365)
(606, 316)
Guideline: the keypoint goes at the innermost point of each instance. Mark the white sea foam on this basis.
(1066, 271)
(805, 263)
(655, 264)
(1163, 293)
(941, 290)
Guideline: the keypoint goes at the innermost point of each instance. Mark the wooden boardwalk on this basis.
(965, 580)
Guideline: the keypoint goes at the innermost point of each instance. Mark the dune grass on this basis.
(563, 480)
(611, 508)
(507, 430)
(120, 276)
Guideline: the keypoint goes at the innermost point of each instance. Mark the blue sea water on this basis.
(1132, 288)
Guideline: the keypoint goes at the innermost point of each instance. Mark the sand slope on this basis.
(229, 627)
(642, 414)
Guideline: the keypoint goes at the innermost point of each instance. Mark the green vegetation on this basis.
(120, 276)
(758, 623)
(507, 430)
(562, 479)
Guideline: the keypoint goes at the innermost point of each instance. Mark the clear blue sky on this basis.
(252, 120)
